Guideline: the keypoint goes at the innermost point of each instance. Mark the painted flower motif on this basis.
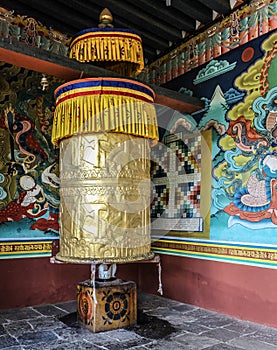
(85, 307)
(122, 51)
(81, 52)
(94, 51)
(116, 112)
(128, 113)
(99, 122)
(106, 50)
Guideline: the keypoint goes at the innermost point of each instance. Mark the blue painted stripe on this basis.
(108, 30)
(87, 83)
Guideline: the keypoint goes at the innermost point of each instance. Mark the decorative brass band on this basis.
(145, 254)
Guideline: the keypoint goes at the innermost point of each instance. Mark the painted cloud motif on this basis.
(213, 69)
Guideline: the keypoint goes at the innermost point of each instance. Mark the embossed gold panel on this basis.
(105, 198)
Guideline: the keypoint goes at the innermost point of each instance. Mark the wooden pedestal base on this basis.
(116, 305)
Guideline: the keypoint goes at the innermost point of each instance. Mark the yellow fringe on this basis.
(122, 54)
(105, 112)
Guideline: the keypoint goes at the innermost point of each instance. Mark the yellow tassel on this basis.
(120, 52)
(94, 114)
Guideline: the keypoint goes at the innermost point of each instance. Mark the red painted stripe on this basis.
(105, 79)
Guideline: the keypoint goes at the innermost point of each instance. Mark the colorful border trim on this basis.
(106, 86)
(225, 252)
(32, 33)
(25, 249)
(242, 26)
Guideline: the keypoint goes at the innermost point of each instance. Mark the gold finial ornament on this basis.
(105, 19)
(116, 49)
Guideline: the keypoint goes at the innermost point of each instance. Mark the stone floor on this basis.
(163, 324)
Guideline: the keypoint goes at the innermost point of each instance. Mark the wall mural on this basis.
(29, 197)
(239, 90)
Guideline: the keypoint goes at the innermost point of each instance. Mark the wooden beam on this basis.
(39, 60)
(176, 100)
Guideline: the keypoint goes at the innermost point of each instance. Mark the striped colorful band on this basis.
(113, 86)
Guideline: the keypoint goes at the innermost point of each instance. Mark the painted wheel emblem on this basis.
(116, 306)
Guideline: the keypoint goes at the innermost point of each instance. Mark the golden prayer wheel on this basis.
(104, 128)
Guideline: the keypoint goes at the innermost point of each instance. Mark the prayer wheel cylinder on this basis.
(105, 198)
(104, 128)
